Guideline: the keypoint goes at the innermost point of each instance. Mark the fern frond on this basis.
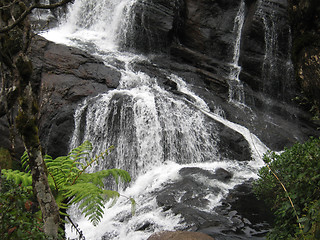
(25, 179)
(81, 152)
(92, 199)
(97, 177)
(25, 162)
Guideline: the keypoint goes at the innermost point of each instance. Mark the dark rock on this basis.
(219, 174)
(154, 25)
(233, 145)
(67, 76)
(223, 175)
(188, 192)
(265, 55)
(241, 216)
(304, 18)
(235, 218)
(208, 27)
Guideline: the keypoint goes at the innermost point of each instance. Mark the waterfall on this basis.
(236, 92)
(277, 59)
(101, 22)
(147, 125)
(156, 133)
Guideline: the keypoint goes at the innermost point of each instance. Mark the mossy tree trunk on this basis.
(16, 76)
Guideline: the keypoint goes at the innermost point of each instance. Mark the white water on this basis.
(236, 92)
(275, 66)
(155, 132)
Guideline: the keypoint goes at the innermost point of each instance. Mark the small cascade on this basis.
(147, 125)
(100, 22)
(236, 92)
(277, 69)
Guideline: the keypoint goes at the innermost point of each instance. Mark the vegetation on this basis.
(290, 185)
(69, 182)
(17, 216)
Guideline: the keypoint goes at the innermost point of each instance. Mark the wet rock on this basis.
(240, 216)
(188, 192)
(265, 56)
(65, 76)
(219, 174)
(154, 25)
(234, 219)
(179, 235)
(233, 145)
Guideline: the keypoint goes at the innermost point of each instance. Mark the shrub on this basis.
(17, 216)
(298, 170)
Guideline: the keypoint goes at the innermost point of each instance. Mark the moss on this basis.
(12, 42)
(5, 159)
(24, 66)
(27, 127)
(35, 108)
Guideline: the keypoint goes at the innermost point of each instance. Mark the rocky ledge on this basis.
(64, 76)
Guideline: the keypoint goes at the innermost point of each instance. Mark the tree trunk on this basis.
(27, 125)
(16, 73)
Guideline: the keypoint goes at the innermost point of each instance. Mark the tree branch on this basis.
(9, 5)
(29, 10)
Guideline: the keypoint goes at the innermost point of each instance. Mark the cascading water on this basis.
(277, 59)
(157, 134)
(236, 92)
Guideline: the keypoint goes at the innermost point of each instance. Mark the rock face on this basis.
(265, 54)
(201, 39)
(67, 76)
(64, 76)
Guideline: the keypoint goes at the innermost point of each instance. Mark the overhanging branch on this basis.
(29, 10)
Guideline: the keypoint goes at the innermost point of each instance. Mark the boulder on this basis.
(63, 76)
(179, 235)
(66, 76)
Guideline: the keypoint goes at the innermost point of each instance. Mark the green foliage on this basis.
(18, 221)
(71, 184)
(298, 169)
(21, 178)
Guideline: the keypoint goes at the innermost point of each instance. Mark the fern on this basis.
(25, 179)
(71, 184)
(92, 200)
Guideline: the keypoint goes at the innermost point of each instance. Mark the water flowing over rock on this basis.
(190, 92)
(66, 75)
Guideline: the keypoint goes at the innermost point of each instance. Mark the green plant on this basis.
(290, 185)
(17, 216)
(71, 183)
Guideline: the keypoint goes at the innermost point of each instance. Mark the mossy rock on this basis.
(5, 159)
